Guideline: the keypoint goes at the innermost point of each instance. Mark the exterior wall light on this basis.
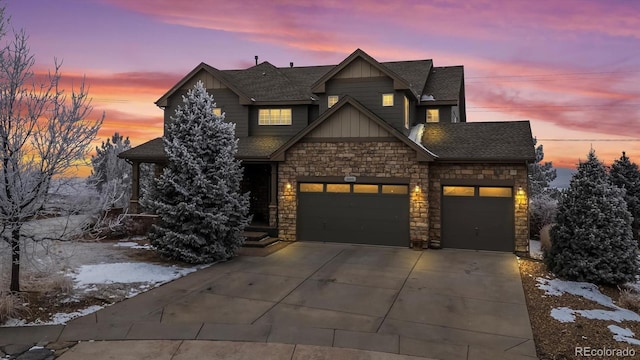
(417, 189)
(288, 186)
(521, 196)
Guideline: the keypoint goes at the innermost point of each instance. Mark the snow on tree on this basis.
(44, 132)
(540, 174)
(592, 239)
(111, 175)
(625, 175)
(542, 202)
(197, 198)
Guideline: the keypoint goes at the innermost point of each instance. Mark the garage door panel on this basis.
(378, 219)
(478, 222)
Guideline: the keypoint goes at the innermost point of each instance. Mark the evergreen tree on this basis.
(592, 239)
(197, 198)
(625, 175)
(540, 174)
(111, 175)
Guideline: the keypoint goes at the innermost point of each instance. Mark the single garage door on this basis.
(478, 217)
(374, 214)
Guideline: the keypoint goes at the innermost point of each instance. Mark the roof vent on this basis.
(256, 57)
(291, 64)
(426, 97)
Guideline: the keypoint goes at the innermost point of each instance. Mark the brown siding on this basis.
(379, 159)
(348, 122)
(516, 173)
(358, 69)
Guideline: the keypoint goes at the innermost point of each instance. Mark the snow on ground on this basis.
(104, 271)
(133, 245)
(557, 287)
(623, 335)
(126, 273)
(535, 250)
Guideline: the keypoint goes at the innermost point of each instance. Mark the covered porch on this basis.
(259, 178)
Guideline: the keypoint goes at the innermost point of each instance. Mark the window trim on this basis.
(387, 96)
(273, 120)
(406, 113)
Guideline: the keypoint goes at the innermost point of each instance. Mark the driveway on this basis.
(444, 304)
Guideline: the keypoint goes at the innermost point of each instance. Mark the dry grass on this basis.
(629, 299)
(11, 306)
(44, 282)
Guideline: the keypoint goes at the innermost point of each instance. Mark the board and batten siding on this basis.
(348, 122)
(358, 69)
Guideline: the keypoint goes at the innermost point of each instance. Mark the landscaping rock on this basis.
(60, 345)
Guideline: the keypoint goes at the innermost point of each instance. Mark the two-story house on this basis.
(367, 152)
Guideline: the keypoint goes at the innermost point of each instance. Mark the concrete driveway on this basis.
(443, 304)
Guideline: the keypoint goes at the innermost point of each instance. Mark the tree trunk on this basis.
(15, 260)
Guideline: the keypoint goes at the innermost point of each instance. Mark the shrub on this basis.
(592, 239)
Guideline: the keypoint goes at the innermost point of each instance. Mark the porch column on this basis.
(273, 196)
(135, 188)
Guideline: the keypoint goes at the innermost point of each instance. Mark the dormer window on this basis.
(332, 100)
(274, 117)
(217, 111)
(433, 115)
(387, 99)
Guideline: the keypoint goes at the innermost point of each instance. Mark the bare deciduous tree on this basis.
(44, 132)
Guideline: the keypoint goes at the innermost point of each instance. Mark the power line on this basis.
(556, 74)
(619, 140)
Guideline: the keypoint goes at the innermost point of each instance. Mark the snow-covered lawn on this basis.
(114, 278)
(588, 291)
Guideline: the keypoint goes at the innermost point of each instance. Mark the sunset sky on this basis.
(570, 67)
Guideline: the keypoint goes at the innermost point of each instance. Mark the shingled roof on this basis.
(267, 83)
(444, 83)
(480, 141)
(253, 147)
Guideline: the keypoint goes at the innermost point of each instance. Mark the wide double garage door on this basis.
(376, 214)
(478, 217)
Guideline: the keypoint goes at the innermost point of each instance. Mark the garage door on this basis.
(354, 213)
(478, 217)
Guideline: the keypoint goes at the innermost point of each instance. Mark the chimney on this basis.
(256, 57)
(291, 64)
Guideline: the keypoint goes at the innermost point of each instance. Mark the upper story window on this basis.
(406, 113)
(274, 117)
(433, 115)
(217, 111)
(387, 99)
(332, 100)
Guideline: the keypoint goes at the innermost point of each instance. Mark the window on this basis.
(365, 189)
(395, 189)
(406, 113)
(217, 111)
(332, 100)
(433, 115)
(274, 117)
(387, 99)
(495, 192)
(458, 190)
(311, 187)
(338, 188)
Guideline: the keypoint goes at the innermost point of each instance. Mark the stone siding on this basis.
(479, 172)
(378, 159)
